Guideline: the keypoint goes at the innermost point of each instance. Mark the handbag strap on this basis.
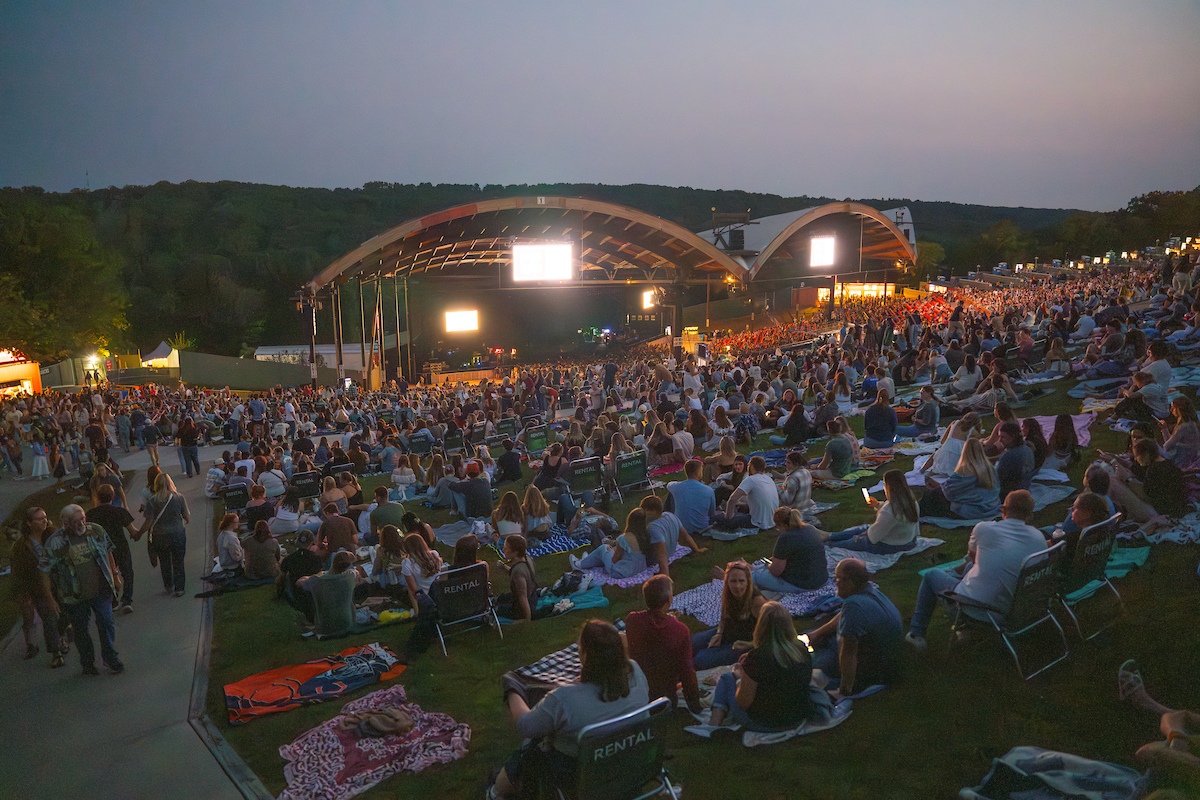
(160, 513)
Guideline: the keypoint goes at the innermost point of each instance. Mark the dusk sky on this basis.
(1063, 104)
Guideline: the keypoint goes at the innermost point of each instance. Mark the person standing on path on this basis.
(31, 586)
(167, 516)
(115, 521)
(77, 560)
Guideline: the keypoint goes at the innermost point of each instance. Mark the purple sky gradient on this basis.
(1065, 104)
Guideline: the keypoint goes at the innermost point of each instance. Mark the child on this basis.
(41, 467)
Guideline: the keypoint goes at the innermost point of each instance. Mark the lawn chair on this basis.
(236, 498)
(420, 446)
(630, 472)
(619, 758)
(463, 595)
(1037, 585)
(307, 484)
(1092, 552)
(453, 443)
(586, 475)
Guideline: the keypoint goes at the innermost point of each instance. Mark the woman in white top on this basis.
(966, 379)
(896, 525)
(273, 480)
(508, 518)
(718, 428)
(842, 393)
(949, 452)
(420, 568)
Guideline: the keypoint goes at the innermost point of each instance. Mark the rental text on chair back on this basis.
(307, 484)
(617, 759)
(535, 441)
(1091, 555)
(236, 498)
(461, 593)
(585, 475)
(1036, 586)
(507, 427)
(631, 469)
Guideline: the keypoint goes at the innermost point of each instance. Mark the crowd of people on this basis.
(974, 353)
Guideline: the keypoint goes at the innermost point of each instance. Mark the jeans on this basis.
(81, 614)
(183, 465)
(566, 508)
(911, 432)
(934, 582)
(763, 579)
(779, 440)
(191, 458)
(726, 697)
(861, 543)
(124, 559)
(877, 444)
(734, 522)
(170, 560)
(705, 657)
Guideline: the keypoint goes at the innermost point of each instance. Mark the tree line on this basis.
(216, 264)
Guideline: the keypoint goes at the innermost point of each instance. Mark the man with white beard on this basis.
(77, 558)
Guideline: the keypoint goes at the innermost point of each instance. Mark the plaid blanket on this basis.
(559, 541)
(561, 667)
(599, 576)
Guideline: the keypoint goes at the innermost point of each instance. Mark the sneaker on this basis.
(90, 670)
(116, 668)
(918, 642)
(573, 561)
(57, 661)
(178, 593)
(126, 608)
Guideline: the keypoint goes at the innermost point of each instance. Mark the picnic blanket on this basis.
(874, 459)
(330, 763)
(290, 687)
(599, 576)
(1031, 772)
(915, 448)
(1098, 404)
(592, 597)
(754, 738)
(559, 541)
(1121, 562)
(1185, 530)
(847, 481)
(1043, 496)
(878, 561)
(450, 533)
(704, 602)
(669, 469)
(560, 667)
(775, 458)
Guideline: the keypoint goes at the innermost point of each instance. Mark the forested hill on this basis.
(219, 261)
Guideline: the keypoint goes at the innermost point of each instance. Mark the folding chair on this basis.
(236, 498)
(463, 595)
(536, 440)
(340, 468)
(1088, 566)
(630, 472)
(453, 443)
(586, 475)
(307, 484)
(420, 446)
(507, 427)
(620, 757)
(1036, 587)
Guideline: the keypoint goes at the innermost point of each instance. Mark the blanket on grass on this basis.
(330, 763)
(1185, 530)
(550, 605)
(754, 738)
(560, 667)
(1043, 496)
(847, 481)
(600, 577)
(559, 541)
(315, 681)
(1081, 422)
(1031, 772)
(669, 469)
(914, 477)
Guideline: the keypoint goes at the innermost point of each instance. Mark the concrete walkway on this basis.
(117, 736)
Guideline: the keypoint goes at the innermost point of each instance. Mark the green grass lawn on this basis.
(933, 733)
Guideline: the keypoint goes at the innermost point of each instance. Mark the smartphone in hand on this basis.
(866, 496)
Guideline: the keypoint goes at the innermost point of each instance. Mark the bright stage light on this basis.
(462, 321)
(543, 262)
(821, 252)
(648, 299)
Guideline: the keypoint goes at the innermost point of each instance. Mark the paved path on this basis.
(117, 736)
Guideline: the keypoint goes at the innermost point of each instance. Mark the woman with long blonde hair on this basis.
(508, 518)
(537, 513)
(166, 520)
(972, 491)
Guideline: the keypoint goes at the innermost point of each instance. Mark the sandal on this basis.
(57, 661)
(1129, 680)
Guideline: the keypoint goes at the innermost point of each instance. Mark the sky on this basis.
(1064, 104)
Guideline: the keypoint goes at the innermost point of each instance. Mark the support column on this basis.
(362, 323)
(337, 331)
(396, 297)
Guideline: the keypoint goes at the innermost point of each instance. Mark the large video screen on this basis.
(543, 262)
(821, 252)
(462, 321)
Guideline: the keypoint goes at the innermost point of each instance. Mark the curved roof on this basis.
(881, 238)
(614, 243)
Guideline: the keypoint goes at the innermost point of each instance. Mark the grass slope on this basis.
(932, 734)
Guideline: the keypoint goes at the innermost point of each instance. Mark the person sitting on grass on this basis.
(989, 573)
(925, 420)
(896, 525)
(1151, 490)
(262, 554)
(839, 456)
(662, 645)
(610, 685)
(230, 555)
(390, 557)
(860, 645)
(466, 554)
(798, 560)
(624, 557)
(336, 532)
(691, 500)
(421, 566)
(666, 534)
(797, 487)
(508, 465)
(333, 595)
(521, 598)
(972, 491)
(880, 423)
(508, 518)
(741, 602)
(769, 687)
